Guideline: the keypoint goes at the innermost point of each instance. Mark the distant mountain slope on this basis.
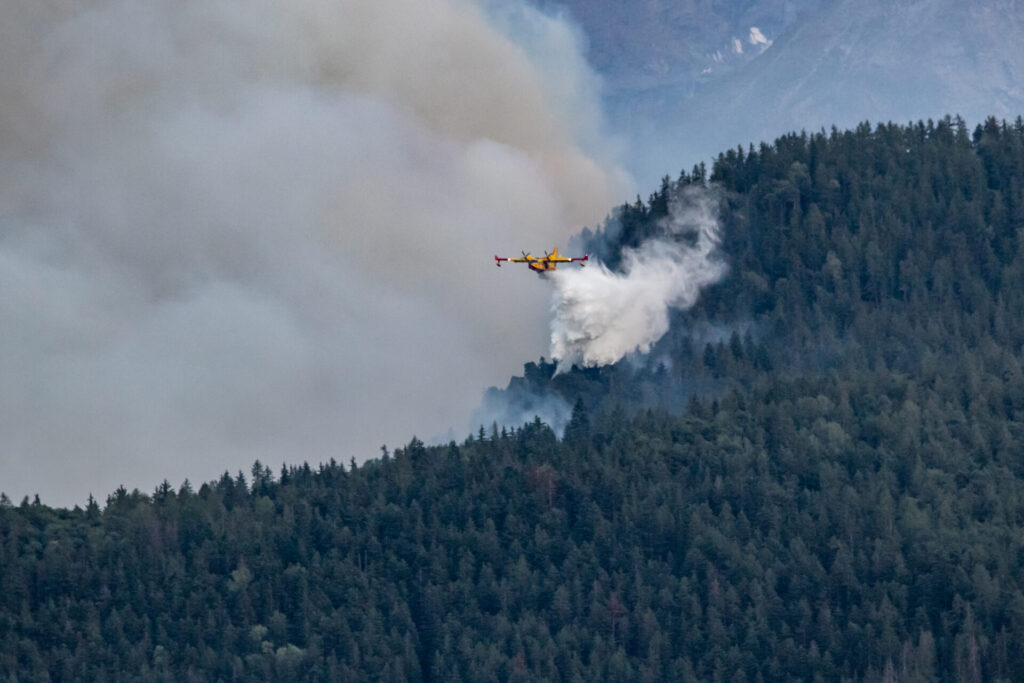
(837, 62)
(883, 61)
(657, 43)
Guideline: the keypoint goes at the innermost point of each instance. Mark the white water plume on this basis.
(600, 315)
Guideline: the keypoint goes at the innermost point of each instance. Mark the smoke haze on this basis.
(600, 316)
(518, 404)
(232, 231)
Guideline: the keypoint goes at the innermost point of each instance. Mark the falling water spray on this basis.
(601, 315)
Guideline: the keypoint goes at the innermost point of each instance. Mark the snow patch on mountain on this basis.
(758, 38)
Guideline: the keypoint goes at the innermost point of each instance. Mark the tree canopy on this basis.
(816, 475)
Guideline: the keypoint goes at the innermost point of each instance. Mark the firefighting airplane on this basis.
(542, 264)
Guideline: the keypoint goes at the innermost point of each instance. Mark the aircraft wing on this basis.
(555, 257)
(511, 259)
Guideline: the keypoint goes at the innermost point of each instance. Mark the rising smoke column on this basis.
(600, 315)
(240, 229)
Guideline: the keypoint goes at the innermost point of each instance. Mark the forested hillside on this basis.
(817, 474)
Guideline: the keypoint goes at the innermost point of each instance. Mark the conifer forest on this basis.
(817, 474)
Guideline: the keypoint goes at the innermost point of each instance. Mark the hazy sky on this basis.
(236, 230)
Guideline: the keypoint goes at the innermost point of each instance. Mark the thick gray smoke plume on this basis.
(235, 230)
(600, 315)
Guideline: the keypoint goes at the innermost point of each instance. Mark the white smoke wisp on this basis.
(236, 230)
(600, 316)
